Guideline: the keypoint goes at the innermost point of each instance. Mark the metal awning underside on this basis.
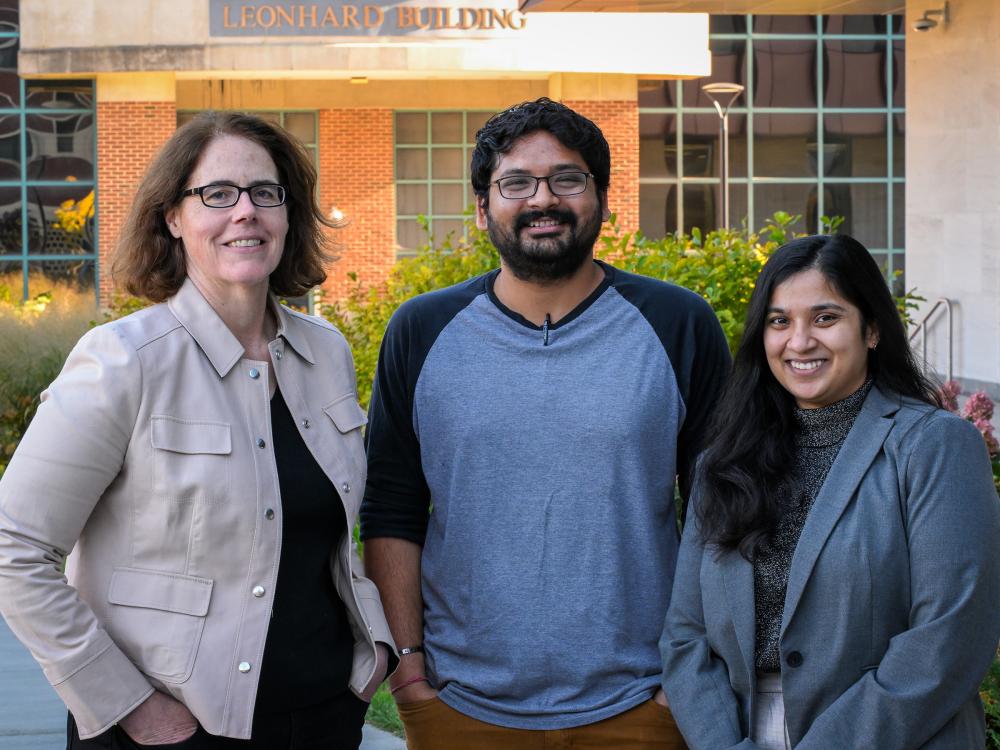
(833, 7)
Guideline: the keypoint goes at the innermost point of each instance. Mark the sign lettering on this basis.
(384, 19)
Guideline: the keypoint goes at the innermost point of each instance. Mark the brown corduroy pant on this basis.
(433, 725)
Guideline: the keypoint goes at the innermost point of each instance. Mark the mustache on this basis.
(560, 215)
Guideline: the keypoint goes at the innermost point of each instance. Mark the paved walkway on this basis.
(33, 718)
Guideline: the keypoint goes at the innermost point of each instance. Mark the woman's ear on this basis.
(173, 222)
(872, 337)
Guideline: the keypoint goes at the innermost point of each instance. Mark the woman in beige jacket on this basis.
(203, 460)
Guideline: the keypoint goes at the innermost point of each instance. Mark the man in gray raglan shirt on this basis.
(525, 433)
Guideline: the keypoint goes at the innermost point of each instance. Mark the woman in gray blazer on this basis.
(838, 582)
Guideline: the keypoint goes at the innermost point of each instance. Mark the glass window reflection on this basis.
(729, 65)
(60, 220)
(855, 145)
(784, 145)
(657, 94)
(793, 198)
(864, 208)
(784, 73)
(658, 210)
(10, 83)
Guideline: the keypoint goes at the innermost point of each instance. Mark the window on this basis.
(818, 131)
(433, 150)
(47, 177)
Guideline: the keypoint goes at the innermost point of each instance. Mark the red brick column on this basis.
(356, 177)
(619, 121)
(128, 136)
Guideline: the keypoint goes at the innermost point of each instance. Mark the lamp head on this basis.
(926, 22)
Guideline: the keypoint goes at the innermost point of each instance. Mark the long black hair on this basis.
(751, 438)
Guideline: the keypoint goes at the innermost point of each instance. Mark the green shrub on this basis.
(35, 338)
(382, 712)
(721, 266)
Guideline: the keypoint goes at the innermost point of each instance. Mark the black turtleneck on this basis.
(821, 433)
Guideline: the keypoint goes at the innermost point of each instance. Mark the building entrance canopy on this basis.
(772, 7)
(339, 39)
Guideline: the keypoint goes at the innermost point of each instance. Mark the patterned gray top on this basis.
(821, 433)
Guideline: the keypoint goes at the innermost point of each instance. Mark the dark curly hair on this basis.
(149, 262)
(571, 129)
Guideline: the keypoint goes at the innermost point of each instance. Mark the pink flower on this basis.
(979, 406)
(949, 395)
(986, 428)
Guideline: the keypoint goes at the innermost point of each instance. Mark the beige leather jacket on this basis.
(150, 457)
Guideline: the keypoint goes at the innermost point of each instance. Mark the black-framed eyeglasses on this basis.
(224, 194)
(521, 186)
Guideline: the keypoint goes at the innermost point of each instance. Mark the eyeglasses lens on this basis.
(223, 196)
(525, 186)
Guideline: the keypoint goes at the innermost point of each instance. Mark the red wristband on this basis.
(411, 681)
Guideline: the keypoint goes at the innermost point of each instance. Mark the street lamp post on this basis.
(718, 92)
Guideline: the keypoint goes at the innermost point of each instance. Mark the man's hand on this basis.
(159, 720)
(381, 667)
(418, 691)
(410, 668)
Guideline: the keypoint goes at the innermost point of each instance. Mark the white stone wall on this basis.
(953, 181)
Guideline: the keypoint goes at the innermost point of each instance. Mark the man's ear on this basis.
(605, 211)
(481, 207)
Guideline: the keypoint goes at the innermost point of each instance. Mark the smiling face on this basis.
(545, 237)
(237, 246)
(815, 341)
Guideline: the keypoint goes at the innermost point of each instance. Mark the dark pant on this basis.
(332, 725)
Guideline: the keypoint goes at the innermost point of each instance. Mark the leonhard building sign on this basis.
(382, 19)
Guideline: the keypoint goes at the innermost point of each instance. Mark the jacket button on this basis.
(305, 424)
(254, 373)
(244, 667)
(258, 591)
(260, 442)
(345, 487)
(269, 514)
(794, 659)
(277, 354)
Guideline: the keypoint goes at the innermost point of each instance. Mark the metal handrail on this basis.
(921, 328)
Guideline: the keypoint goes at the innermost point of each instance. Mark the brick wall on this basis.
(356, 176)
(619, 121)
(128, 136)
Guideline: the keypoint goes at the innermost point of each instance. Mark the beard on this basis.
(546, 259)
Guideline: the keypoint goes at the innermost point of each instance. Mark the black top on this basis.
(309, 650)
(821, 433)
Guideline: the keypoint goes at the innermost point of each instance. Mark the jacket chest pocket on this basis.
(191, 459)
(348, 417)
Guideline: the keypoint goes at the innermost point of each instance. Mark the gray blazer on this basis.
(892, 613)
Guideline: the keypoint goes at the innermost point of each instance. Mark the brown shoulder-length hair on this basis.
(149, 262)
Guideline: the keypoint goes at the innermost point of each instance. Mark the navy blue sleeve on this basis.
(397, 499)
(697, 349)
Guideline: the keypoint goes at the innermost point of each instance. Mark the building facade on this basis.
(387, 97)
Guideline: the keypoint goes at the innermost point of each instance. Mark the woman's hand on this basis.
(381, 667)
(159, 720)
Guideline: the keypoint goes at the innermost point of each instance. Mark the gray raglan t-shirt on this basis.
(548, 462)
